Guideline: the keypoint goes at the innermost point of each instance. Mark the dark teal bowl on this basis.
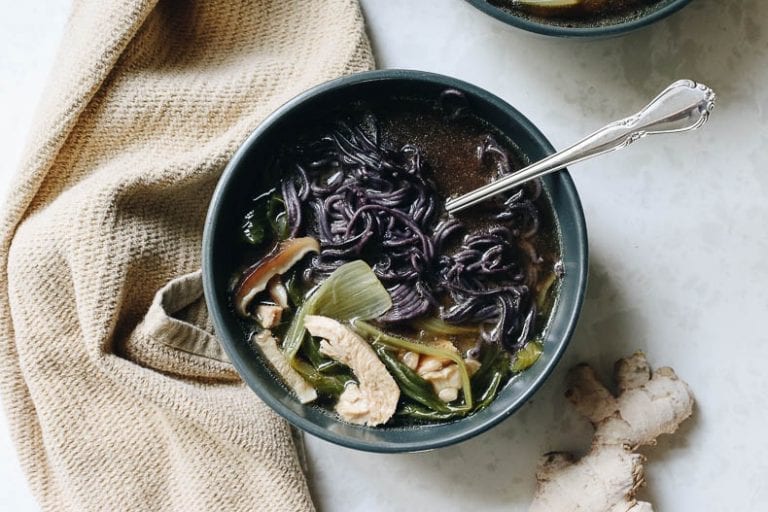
(605, 27)
(235, 186)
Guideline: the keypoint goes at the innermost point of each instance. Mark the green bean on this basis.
(295, 290)
(418, 412)
(324, 384)
(490, 393)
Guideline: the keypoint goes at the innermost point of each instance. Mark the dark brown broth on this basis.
(450, 148)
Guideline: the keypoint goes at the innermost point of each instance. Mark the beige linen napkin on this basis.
(119, 399)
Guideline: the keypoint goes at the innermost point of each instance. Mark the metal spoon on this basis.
(684, 105)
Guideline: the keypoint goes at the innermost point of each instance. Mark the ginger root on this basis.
(607, 478)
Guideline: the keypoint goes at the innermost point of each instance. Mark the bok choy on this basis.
(352, 291)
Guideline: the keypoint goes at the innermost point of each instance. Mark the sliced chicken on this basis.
(373, 399)
(268, 315)
(445, 381)
(268, 345)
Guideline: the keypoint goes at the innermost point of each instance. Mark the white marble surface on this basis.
(677, 237)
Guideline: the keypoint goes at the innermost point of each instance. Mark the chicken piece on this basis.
(409, 359)
(373, 399)
(446, 382)
(431, 363)
(443, 373)
(268, 345)
(353, 406)
(268, 315)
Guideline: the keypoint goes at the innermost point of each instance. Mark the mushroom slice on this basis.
(280, 260)
(268, 345)
(373, 399)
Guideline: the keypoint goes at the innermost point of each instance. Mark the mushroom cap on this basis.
(284, 256)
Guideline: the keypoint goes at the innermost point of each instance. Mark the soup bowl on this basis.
(235, 186)
(599, 27)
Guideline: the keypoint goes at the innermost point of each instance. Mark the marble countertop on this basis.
(678, 244)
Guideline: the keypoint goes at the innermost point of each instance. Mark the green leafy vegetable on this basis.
(440, 327)
(352, 291)
(545, 292)
(310, 349)
(277, 216)
(422, 411)
(295, 290)
(526, 356)
(266, 221)
(324, 384)
(497, 375)
(419, 412)
(252, 228)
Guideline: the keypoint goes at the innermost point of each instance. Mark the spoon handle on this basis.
(684, 105)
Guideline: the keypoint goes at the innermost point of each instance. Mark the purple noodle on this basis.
(363, 200)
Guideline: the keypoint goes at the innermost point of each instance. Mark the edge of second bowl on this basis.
(578, 32)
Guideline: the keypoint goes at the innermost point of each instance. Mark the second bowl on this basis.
(571, 23)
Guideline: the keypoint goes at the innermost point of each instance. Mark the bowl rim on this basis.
(578, 32)
(217, 312)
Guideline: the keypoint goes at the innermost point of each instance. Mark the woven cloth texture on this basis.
(118, 399)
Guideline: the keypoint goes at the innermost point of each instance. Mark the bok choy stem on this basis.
(436, 325)
(351, 291)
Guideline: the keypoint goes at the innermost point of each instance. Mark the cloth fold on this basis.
(117, 396)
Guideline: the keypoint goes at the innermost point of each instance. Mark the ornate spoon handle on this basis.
(684, 105)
